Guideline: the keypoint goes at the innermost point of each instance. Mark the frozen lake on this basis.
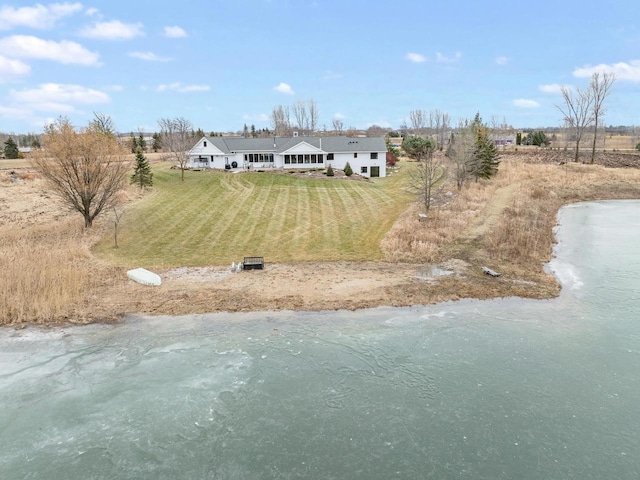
(502, 389)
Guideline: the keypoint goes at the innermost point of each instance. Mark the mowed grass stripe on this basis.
(277, 221)
(301, 225)
(188, 210)
(214, 218)
(253, 212)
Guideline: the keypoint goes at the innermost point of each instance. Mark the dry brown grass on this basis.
(48, 273)
(506, 222)
(45, 274)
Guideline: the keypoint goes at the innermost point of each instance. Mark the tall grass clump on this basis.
(415, 241)
(45, 275)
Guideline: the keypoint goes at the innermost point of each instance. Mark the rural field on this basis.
(328, 243)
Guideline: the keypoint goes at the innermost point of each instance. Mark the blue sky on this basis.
(224, 63)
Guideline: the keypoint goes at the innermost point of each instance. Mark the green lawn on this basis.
(214, 218)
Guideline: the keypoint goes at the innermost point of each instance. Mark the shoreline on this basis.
(320, 286)
(506, 225)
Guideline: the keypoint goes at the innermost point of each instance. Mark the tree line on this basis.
(471, 154)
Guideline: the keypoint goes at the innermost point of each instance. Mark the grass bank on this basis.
(214, 218)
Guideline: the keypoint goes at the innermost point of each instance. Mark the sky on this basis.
(225, 63)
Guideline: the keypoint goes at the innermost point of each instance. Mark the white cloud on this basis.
(284, 88)
(178, 87)
(525, 103)
(27, 46)
(40, 17)
(415, 57)
(90, 12)
(15, 112)
(553, 88)
(502, 60)
(114, 30)
(256, 117)
(149, 57)
(57, 98)
(194, 88)
(11, 69)
(440, 58)
(174, 32)
(629, 71)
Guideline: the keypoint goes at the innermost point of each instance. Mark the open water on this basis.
(502, 389)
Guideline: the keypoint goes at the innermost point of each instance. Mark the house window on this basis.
(307, 158)
(313, 158)
(205, 143)
(287, 159)
(320, 158)
(246, 157)
(364, 169)
(329, 156)
(300, 158)
(355, 154)
(374, 155)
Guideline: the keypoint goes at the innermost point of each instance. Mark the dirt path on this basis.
(489, 216)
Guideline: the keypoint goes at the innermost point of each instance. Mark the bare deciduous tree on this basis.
(441, 124)
(429, 175)
(86, 168)
(577, 112)
(461, 151)
(376, 131)
(177, 138)
(338, 125)
(313, 115)
(117, 216)
(600, 87)
(300, 116)
(418, 119)
(281, 121)
(103, 123)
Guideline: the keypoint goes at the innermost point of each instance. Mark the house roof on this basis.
(281, 144)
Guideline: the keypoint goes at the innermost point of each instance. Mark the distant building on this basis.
(366, 156)
(503, 140)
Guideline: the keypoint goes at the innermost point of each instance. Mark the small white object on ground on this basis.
(144, 277)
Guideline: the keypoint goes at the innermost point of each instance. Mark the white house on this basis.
(367, 156)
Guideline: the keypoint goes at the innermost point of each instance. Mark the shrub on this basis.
(391, 159)
(330, 171)
(347, 170)
(638, 147)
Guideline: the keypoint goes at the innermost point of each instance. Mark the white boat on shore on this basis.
(145, 277)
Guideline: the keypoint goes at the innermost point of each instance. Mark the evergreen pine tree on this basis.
(330, 171)
(484, 161)
(142, 143)
(485, 155)
(11, 149)
(134, 143)
(142, 172)
(157, 143)
(348, 171)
